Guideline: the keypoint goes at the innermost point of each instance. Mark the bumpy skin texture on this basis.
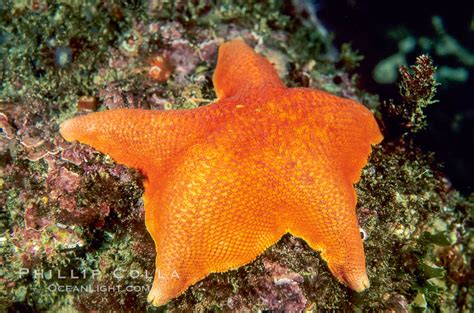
(226, 181)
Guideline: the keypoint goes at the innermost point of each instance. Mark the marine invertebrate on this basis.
(62, 56)
(262, 161)
(159, 69)
(87, 103)
(131, 45)
(418, 88)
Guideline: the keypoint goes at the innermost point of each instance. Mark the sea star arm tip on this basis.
(239, 69)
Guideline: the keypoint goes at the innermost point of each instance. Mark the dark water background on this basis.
(366, 24)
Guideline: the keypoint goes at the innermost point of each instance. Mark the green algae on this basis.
(31, 39)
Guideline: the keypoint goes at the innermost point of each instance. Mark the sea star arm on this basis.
(345, 128)
(331, 226)
(215, 214)
(240, 69)
(338, 134)
(142, 139)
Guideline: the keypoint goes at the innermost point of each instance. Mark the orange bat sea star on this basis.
(226, 181)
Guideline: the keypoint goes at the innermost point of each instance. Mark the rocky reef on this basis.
(73, 221)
